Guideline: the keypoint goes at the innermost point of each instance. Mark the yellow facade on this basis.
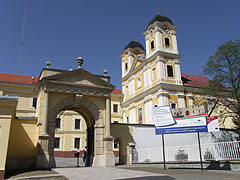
(7, 111)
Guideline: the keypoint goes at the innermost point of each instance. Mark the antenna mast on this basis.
(21, 44)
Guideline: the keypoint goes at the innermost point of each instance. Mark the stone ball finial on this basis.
(79, 61)
(48, 63)
(105, 72)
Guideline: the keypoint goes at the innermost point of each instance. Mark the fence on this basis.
(211, 151)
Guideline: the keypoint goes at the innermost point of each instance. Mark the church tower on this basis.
(160, 35)
(151, 77)
(161, 43)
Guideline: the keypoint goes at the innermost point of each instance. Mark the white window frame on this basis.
(167, 47)
(73, 142)
(117, 108)
(60, 143)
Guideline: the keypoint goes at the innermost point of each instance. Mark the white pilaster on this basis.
(174, 41)
(181, 101)
(149, 77)
(178, 72)
(147, 46)
(163, 99)
(158, 40)
(145, 78)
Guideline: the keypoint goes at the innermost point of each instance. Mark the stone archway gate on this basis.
(85, 93)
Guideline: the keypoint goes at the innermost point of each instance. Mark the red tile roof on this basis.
(194, 80)
(116, 91)
(19, 79)
(188, 80)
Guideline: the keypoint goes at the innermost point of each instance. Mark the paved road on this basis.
(143, 172)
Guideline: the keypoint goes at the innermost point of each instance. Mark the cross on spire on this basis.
(132, 37)
(158, 9)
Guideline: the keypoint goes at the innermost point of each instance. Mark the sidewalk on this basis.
(94, 173)
(143, 172)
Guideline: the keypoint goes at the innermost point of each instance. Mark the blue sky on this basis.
(62, 30)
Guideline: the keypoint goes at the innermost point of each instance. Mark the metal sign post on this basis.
(200, 152)
(164, 161)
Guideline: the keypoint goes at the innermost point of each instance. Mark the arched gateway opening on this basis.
(90, 116)
(84, 93)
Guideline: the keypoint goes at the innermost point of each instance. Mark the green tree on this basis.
(224, 69)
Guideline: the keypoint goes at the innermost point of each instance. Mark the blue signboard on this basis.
(166, 124)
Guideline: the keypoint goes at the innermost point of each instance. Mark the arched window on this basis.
(152, 44)
(139, 82)
(126, 66)
(170, 70)
(167, 42)
(140, 115)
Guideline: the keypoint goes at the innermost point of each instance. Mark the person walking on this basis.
(84, 155)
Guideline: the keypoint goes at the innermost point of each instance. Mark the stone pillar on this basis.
(44, 159)
(108, 140)
(104, 141)
(108, 116)
(45, 115)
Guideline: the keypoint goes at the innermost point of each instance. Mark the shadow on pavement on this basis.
(151, 178)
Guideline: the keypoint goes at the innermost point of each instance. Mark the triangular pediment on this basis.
(79, 77)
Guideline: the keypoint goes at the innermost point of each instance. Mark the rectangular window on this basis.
(154, 74)
(167, 42)
(170, 71)
(115, 108)
(34, 103)
(173, 105)
(76, 143)
(140, 116)
(57, 142)
(58, 123)
(77, 123)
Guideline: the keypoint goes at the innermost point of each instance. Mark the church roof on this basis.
(160, 19)
(134, 44)
(194, 80)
